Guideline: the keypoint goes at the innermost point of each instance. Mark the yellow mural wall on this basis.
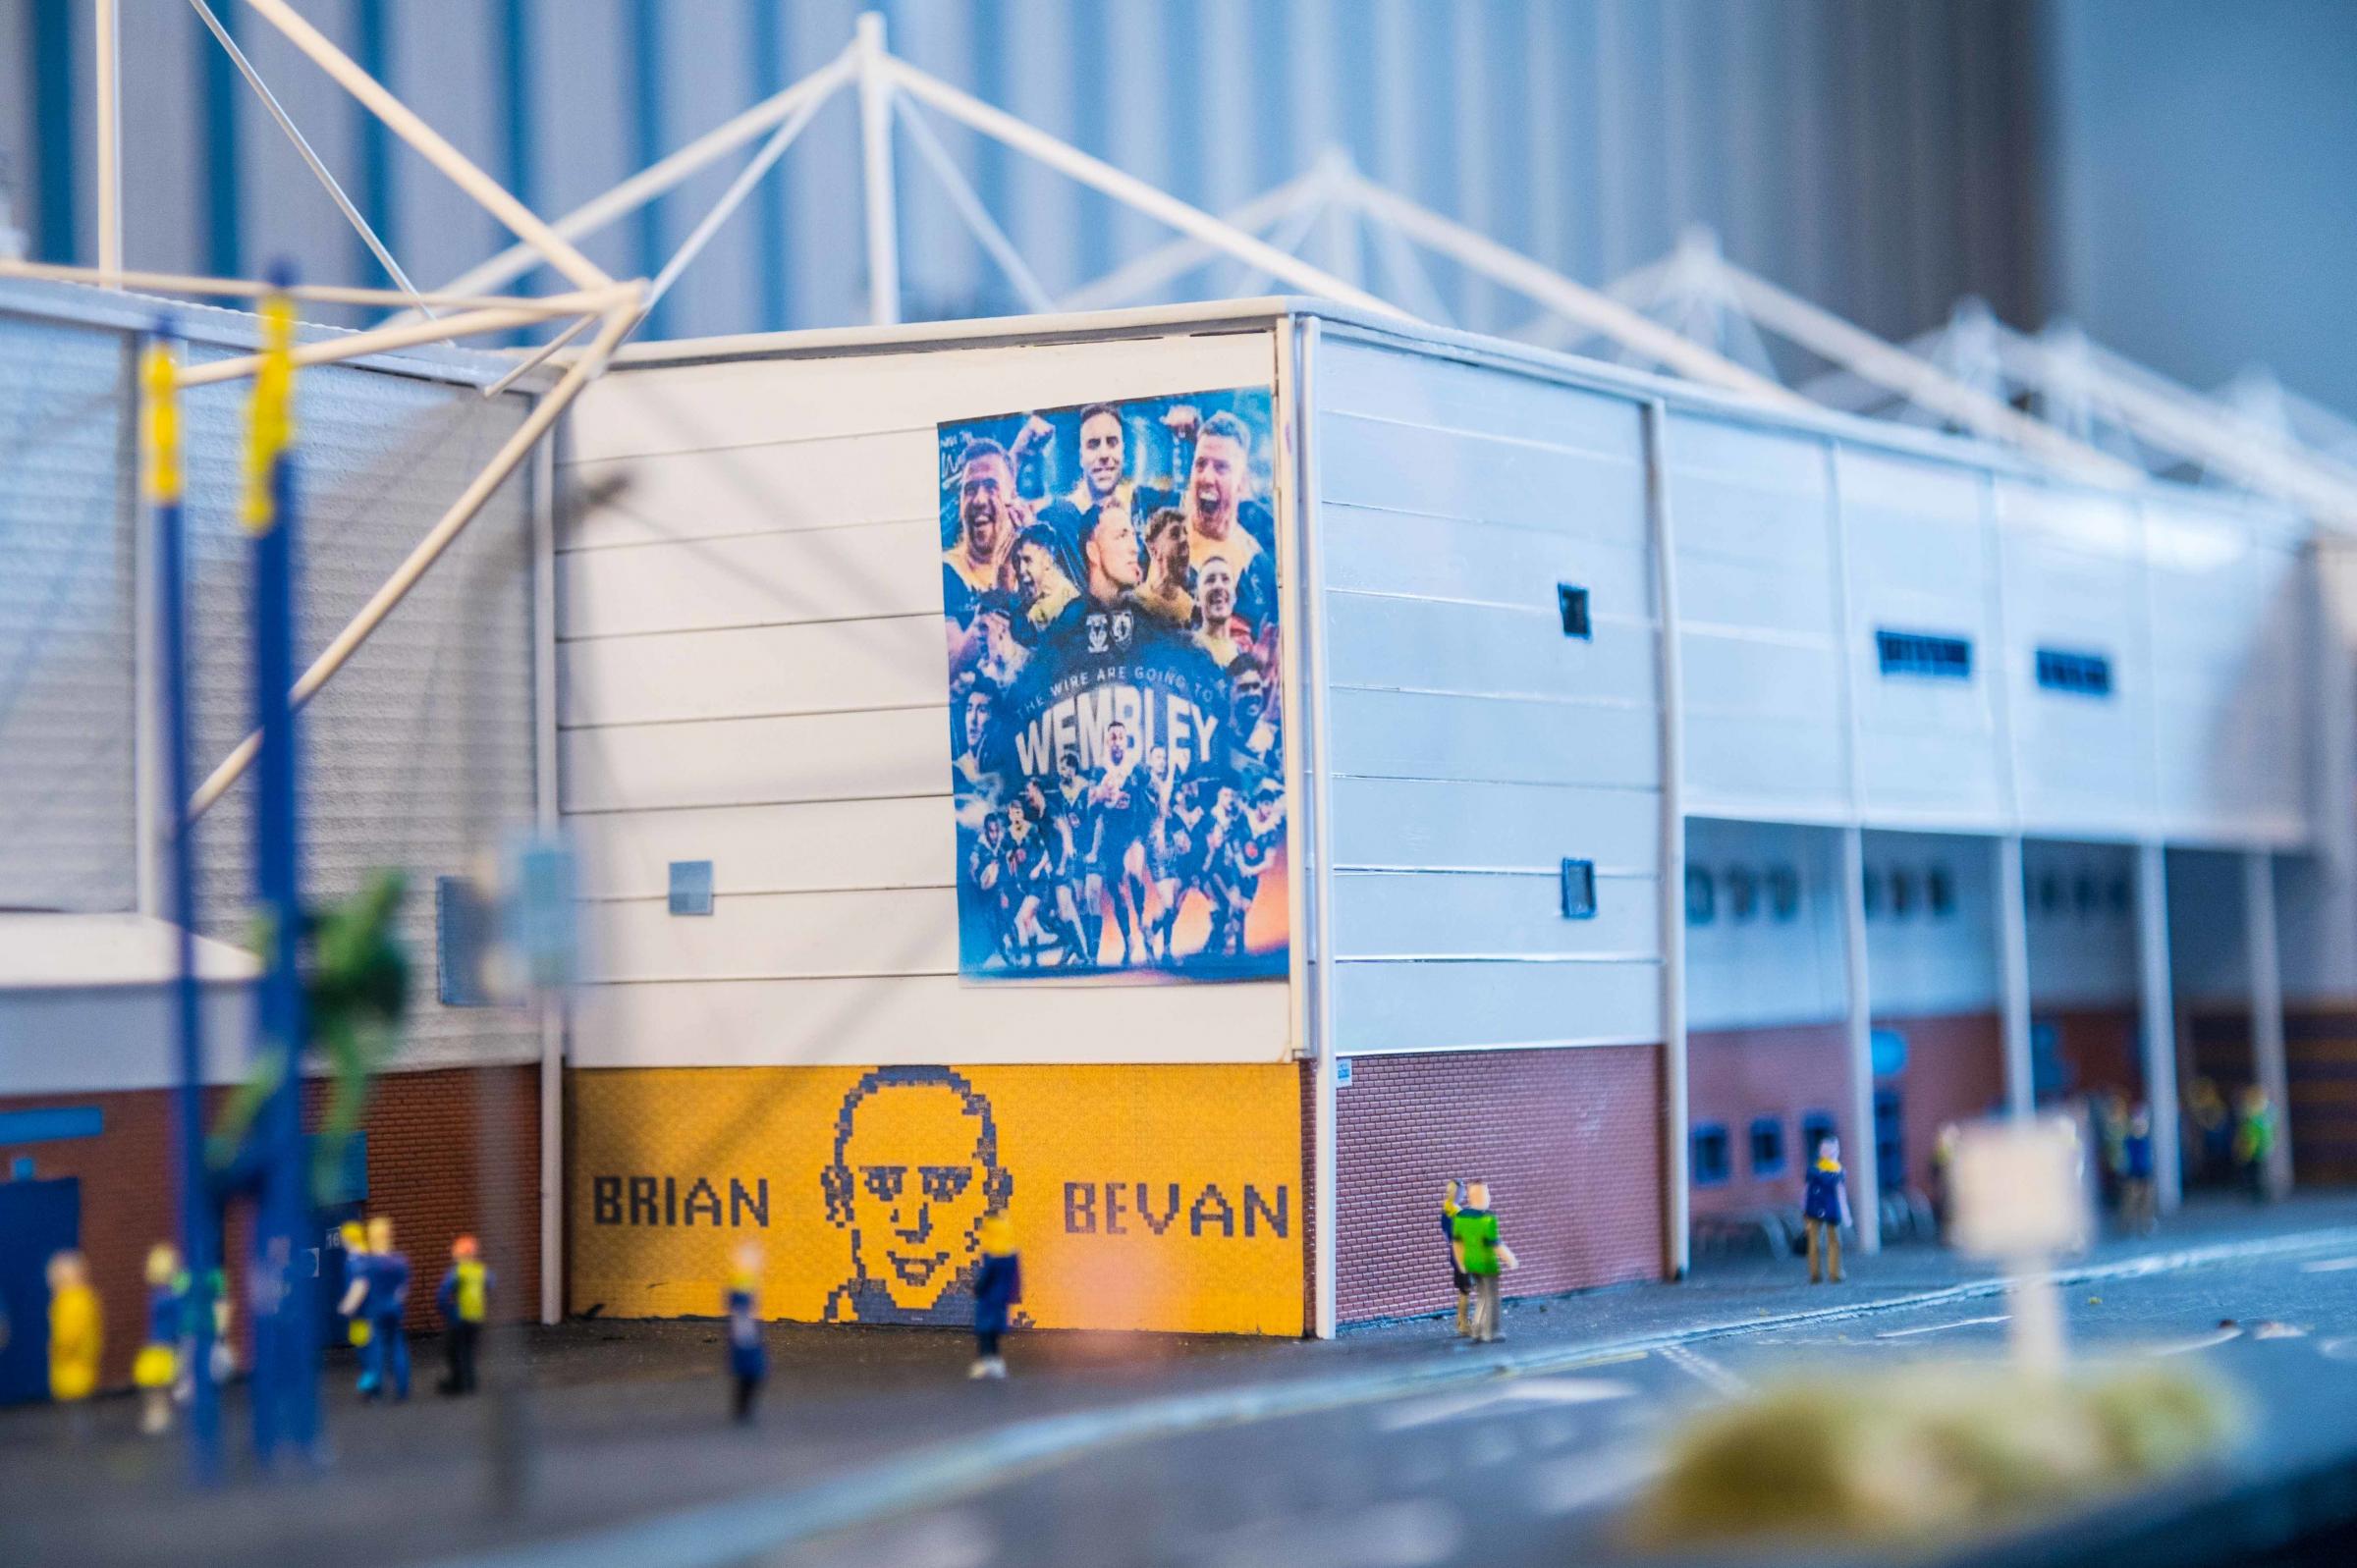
(1142, 1197)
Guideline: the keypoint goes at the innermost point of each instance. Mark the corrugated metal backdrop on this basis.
(1876, 154)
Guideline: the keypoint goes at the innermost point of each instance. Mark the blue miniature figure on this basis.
(353, 1305)
(1824, 1211)
(2138, 1209)
(156, 1369)
(748, 1361)
(998, 1286)
(388, 1280)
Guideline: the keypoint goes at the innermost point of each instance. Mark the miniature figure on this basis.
(1825, 1212)
(1481, 1255)
(2254, 1140)
(1943, 1162)
(352, 1307)
(463, 1298)
(2138, 1209)
(385, 1300)
(748, 1361)
(998, 1286)
(77, 1334)
(2213, 1141)
(156, 1368)
(1452, 1202)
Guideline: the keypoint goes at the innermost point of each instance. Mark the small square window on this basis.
(1768, 1146)
(1573, 602)
(1815, 1127)
(1713, 1161)
(2084, 895)
(1783, 892)
(1873, 892)
(1940, 891)
(1579, 890)
(1702, 900)
(691, 886)
(2050, 893)
(2121, 898)
(1742, 893)
(1902, 892)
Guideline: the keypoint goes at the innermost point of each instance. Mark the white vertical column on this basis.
(1676, 1201)
(2014, 977)
(108, 52)
(1857, 1018)
(544, 816)
(2158, 1011)
(1858, 1012)
(875, 169)
(2267, 1007)
(1317, 928)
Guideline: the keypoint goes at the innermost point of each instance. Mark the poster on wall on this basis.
(866, 1188)
(1109, 587)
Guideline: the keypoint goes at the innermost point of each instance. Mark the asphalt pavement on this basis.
(1394, 1444)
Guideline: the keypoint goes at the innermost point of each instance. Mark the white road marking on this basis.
(1520, 1390)
(1582, 1481)
(2328, 1265)
(957, 1538)
(2339, 1349)
(2272, 1329)
(1942, 1327)
(2182, 1347)
(1701, 1368)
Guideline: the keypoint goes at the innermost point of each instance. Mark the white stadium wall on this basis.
(751, 673)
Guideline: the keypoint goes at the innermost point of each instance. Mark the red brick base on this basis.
(1737, 1075)
(426, 1169)
(2098, 1048)
(1569, 1142)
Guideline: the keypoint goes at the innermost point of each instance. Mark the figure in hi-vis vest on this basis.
(464, 1299)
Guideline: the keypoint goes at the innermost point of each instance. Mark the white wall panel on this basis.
(1463, 1006)
(925, 1019)
(832, 668)
(753, 673)
(1392, 823)
(907, 842)
(1404, 644)
(793, 936)
(739, 762)
(1924, 962)
(1762, 969)
(2081, 923)
(743, 403)
(1922, 559)
(1486, 914)
(2074, 581)
(1402, 734)
(779, 486)
(1758, 620)
(1370, 550)
(762, 580)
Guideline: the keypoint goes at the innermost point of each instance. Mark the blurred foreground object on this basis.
(1926, 1455)
(998, 1286)
(2020, 1200)
(2254, 1140)
(156, 1369)
(76, 1331)
(748, 1358)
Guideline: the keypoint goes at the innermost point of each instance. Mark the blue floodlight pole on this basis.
(198, 1234)
(286, 1392)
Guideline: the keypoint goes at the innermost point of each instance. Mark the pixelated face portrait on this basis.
(1218, 480)
(1068, 768)
(1103, 452)
(1158, 760)
(916, 1171)
(978, 718)
(1251, 693)
(994, 829)
(1035, 569)
(1117, 744)
(986, 500)
(1113, 547)
(1216, 580)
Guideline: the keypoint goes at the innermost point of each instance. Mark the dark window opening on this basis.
(1768, 1146)
(1579, 890)
(1573, 602)
(1815, 1127)
(1702, 902)
(1940, 890)
(1924, 655)
(1742, 893)
(1902, 893)
(1890, 1141)
(1783, 892)
(2077, 675)
(1712, 1161)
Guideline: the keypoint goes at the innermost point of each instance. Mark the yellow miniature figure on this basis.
(77, 1333)
(156, 1368)
(356, 1270)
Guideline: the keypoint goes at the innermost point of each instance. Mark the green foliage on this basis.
(1927, 1453)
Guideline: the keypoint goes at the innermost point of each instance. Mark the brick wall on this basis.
(425, 1170)
(1736, 1075)
(1955, 1072)
(2098, 1048)
(2320, 1071)
(1569, 1141)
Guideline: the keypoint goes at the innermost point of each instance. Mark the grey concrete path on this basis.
(625, 1430)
